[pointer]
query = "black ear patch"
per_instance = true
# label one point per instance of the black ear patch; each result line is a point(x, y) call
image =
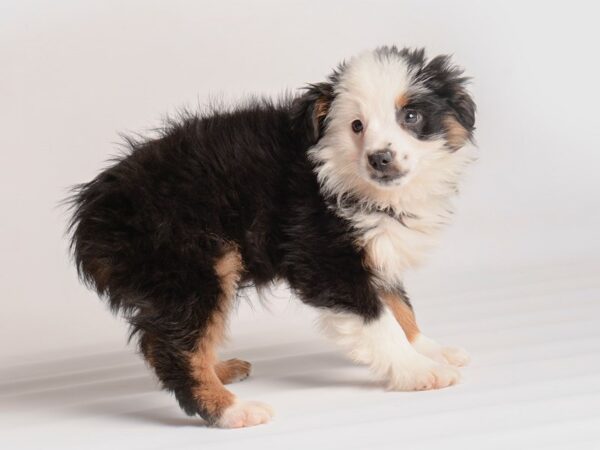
point(310, 110)
point(447, 82)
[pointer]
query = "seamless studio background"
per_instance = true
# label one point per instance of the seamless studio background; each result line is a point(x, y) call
point(515, 280)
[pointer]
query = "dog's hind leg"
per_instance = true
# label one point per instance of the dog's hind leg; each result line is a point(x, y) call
point(233, 370)
point(183, 353)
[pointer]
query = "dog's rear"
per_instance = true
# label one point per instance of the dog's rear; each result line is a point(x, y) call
point(158, 235)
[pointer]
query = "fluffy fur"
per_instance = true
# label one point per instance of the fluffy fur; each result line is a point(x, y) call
point(383, 346)
point(337, 190)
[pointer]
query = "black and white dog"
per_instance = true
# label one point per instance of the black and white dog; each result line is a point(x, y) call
point(337, 191)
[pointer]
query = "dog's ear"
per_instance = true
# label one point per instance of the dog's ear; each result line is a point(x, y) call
point(447, 81)
point(309, 111)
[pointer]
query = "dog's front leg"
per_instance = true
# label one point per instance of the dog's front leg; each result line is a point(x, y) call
point(402, 310)
point(331, 276)
point(382, 345)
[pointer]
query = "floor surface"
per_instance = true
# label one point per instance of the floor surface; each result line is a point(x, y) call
point(534, 382)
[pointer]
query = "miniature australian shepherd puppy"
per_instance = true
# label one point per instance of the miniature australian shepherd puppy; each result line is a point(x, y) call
point(337, 191)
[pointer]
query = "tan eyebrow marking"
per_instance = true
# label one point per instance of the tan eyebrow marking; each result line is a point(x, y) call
point(401, 101)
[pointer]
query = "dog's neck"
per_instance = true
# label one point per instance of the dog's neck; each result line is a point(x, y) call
point(348, 206)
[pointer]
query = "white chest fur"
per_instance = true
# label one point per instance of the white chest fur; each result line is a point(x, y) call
point(424, 203)
point(391, 245)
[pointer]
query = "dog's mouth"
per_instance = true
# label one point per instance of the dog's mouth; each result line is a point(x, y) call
point(389, 178)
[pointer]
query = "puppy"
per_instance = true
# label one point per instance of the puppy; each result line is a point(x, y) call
point(337, 191)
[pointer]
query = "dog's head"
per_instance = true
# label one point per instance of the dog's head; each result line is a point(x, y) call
point(386, 120)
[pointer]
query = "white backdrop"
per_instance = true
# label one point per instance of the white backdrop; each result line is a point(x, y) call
point(73, 74)
point(516, 279)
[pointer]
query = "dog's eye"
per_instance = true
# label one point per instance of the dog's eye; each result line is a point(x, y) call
point(412, 117)
point(357, 126)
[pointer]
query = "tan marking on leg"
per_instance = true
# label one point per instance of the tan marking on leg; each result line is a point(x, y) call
point(209, 391)
point(403, 314)
point(232, 370)
point(229, 268)
point(456, 134)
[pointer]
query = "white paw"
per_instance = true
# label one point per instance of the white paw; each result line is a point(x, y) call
point(447, 355)
point(245, 414)
point(422, 374)
point(456, 356)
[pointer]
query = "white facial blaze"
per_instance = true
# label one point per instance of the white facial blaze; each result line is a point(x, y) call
point(368, 89)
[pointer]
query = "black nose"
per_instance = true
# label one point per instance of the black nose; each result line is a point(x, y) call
point(381, 160)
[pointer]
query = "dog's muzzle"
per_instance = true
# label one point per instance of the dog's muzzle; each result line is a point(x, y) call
point(383, 166)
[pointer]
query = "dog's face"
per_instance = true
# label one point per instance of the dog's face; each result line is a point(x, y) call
point(387, 119)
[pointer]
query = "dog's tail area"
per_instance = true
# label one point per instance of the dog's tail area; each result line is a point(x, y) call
point(101, 238)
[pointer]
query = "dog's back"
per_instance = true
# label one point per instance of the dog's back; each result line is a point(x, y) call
point(205, 183)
